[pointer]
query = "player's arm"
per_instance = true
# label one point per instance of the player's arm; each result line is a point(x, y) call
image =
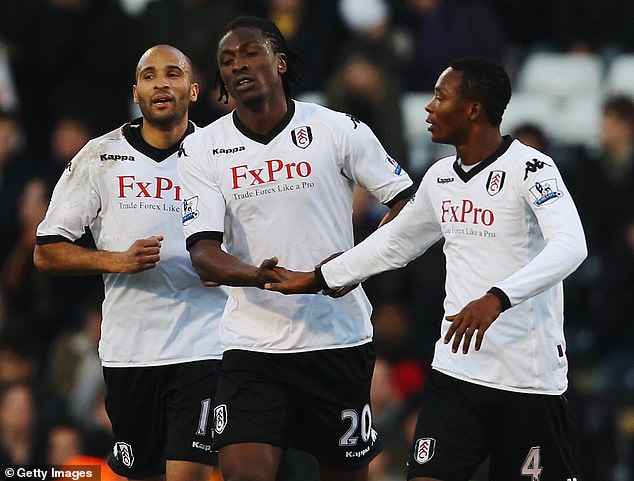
point(313, 282)
point(391, 247)
point(397, 205)
point(65, 258)
point(565, 243)
point(564, 251)
point(217, 266)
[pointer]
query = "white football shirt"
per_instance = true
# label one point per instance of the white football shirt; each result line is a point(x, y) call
point(288, 194)
point(509, 223)
point(125, 190)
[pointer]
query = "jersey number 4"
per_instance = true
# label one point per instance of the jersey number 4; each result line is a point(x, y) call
point(531, 466)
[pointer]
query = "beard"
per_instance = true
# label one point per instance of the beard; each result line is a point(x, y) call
point(163, 118)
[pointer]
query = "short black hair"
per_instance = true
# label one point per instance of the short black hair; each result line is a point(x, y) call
point(292, 77)
point(486, 82)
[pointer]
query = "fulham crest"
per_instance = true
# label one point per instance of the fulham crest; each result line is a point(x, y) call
point(495, 181)
point(302, 136)
point(122, 452)
point(220, 418)
point(424, 450)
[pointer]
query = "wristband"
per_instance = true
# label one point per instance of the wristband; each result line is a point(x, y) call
point(504, 299)
point(321, 282)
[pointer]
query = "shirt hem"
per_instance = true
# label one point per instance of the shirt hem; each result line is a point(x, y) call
point(297, 349)
point(501, 387)
point(159, 362)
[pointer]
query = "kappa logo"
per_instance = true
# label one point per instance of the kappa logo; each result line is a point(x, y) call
point(190, 209)
point(444, 180)
point(302, 136)
point(122, 452)
point(534, 166)
point(220, 418)
point(424, 450)
point(116, 157)
point(495, 182)
point(232, 150)
point(545, 191)
point(201, 446)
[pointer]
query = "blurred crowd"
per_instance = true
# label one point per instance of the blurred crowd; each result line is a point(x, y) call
point(65, 77)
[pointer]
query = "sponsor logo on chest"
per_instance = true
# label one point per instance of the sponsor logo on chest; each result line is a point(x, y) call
point(273, 170)
point(465, 212)
point(130, 186)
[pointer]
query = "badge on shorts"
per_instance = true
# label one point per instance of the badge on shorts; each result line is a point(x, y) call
point(220, 418)
point(424, 450)
point(122, 452)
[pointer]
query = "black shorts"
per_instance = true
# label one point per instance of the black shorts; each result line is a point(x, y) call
point(316, 401)
point(530, 437)
point(160, 413)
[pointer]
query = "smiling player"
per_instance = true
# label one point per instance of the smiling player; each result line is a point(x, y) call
point(159, 344)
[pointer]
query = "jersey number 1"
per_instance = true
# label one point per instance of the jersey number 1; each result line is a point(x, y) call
point(205, 404)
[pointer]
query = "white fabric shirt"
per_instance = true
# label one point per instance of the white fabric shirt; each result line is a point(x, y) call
point(115, 186)
point(289, 195)
point(508, 223)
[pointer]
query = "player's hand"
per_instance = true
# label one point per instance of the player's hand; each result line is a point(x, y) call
point(269, 271)
point(295, 283)
point(477, 316)
point(142, 255)
point(340, 292)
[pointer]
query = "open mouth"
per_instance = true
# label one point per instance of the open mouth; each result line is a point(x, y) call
point(242, 83)
point(161, 100)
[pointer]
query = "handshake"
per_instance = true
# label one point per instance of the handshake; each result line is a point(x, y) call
point(272, 277)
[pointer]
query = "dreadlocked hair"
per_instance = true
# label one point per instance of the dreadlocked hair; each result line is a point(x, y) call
point(291, 78)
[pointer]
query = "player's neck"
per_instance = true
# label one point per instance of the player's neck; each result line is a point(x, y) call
point(479, 147)
point(163, 136)
point(262, 117)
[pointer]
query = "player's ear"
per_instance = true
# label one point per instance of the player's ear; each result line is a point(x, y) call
point(194, 90)
point(475, 110)
point(282, 66)
point(135, 95)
